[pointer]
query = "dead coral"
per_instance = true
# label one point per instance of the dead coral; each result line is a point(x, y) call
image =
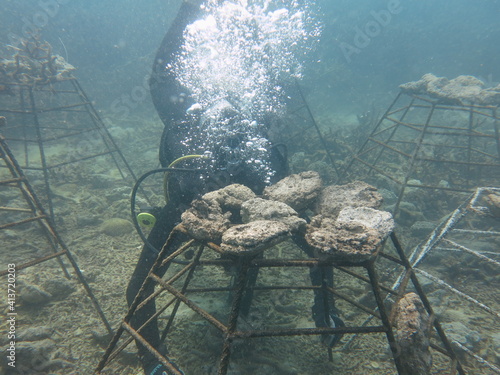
point(297, 190)
point(461, 90)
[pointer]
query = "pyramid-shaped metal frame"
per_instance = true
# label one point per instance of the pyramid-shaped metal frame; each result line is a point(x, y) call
point(176, 287)
point(479, 219)
point(424, 143)
point(52, 113)
point(34, 212)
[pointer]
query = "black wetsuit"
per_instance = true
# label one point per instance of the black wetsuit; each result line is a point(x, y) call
point(172, 101)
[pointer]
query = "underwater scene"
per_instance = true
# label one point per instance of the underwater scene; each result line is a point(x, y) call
point(282, 187)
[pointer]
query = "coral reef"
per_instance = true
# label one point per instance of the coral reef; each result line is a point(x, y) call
point(253, 237)
point(116, 227)
point(461, 90)
point(296, 190)
point(356, 194)
point(262, 209)
point(34, 63)
point(205, 220)
point(346, 227)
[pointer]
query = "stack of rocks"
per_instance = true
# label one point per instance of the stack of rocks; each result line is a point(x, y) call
point(345, 223)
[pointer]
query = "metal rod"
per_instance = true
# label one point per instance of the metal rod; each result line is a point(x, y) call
point(384, 317)
point(39, 138)
point(477, 358)
point(210, 318)
point(48, 227)
point(239, 288)
point(189, 276)
point(20, 222)
point(307, 331)
point(472, 252)
point(426, 303)
point(442, 283)
point(34, 262)
point(411, 166)
point(171, 368)
point(349, 164)
point(322, 140)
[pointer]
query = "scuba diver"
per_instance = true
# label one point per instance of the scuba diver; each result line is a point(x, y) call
point(227, 144)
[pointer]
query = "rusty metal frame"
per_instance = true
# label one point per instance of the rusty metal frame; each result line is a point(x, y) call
point(368, 160)
point(28, 115)
point(229, 329)
point(36, 213)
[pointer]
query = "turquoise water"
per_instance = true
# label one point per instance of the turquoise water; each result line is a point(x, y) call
point(365, 51)
point(112, 43)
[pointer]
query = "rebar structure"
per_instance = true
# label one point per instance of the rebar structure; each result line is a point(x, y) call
point(439, 147)
point(191, 278)
point(25, 211)
point(51, 118)
point(301, 133)
point(471, 237)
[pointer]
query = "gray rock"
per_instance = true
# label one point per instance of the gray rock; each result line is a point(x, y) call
point(356, 194)
point(381, 221)
point(116, 227)
point(262, 209)
point(460, 90)
point(253, 237)
point(205, 220)
point(460, 332)
point(34, 295)
point(230, 197)
point(412, 335)
point(298, 191)
point(349, 241)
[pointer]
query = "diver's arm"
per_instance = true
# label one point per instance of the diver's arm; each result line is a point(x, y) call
point(165, 90)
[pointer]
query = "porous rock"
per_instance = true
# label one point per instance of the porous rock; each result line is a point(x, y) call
point(297, 190)
point(253, 237)
point(381, 221)
point(460, 90)
point(356, 194)
point(205, 220)
point(348, 240)
point(263, 209)
point(230, 197)
point(412, 336)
